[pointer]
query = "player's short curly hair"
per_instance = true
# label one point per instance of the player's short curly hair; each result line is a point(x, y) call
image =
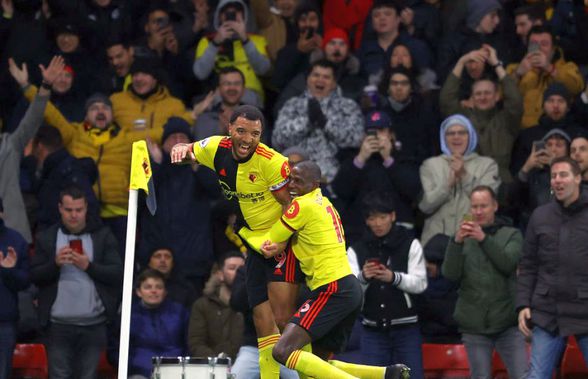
point(248, 112)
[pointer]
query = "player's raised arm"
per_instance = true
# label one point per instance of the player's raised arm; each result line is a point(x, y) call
point(183, 152)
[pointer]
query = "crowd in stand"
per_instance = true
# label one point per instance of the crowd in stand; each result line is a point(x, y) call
point(452, 136)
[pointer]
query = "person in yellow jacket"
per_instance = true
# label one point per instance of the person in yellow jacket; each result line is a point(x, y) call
point(231, 45)
point(543, 65)
point(146, 105)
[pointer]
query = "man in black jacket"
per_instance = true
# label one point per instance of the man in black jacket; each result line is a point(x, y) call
point(389, 264)
point(551, 289)
point(79, 274)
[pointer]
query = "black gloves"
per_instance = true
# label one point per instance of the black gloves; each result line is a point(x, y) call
point(316, 118)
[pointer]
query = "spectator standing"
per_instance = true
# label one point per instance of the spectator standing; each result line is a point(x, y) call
point(276, 24)
point(389, 264)
point(120, 58)
point(12, 147)
point(214, 327)
point(542, 65)
point(551, 272)
point(320, 121)
point(376, 167)
point(525, 17)
point(448, 179)
point(349, 16)
point(183, 191)
point(579, 153)
point(482, 257)
point(231, 45)
point(497, 128)
point(78, 271)
point(14, 277)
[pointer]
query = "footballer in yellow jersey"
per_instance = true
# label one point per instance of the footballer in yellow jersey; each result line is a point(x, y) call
point(254, 179)
point(327, 316)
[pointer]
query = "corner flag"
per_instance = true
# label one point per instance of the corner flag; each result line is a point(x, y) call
point(141, 174)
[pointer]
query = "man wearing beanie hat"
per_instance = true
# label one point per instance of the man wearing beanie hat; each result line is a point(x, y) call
point(147, 104)
point(532, 186)
point(556, 114)
point(336, 49)
point(190, 242)
point(542, 65)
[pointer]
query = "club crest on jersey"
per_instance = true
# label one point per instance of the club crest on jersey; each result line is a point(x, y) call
point(252, 177)
point(293, 210)
point(285, 171)
point(204, 142)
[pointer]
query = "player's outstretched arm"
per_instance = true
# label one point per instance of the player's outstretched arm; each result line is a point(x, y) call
point(182, 152)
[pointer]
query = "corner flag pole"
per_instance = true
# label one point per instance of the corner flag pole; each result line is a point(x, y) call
point(140, 179)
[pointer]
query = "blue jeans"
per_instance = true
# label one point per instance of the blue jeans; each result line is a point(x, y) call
point(510, 344)
point(397, 345)
point(546, 349)
point(74, 351)
point(7, 344)
point(247, 365)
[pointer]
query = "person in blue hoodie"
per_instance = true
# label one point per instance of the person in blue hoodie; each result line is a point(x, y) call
point(14, 277)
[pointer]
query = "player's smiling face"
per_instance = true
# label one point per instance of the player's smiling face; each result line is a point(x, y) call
point(300, 184)
point(245, 135)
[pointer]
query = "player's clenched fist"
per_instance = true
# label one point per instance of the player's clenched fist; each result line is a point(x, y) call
point(182, 152)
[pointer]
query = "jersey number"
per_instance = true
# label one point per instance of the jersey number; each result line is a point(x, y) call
point(336, 223)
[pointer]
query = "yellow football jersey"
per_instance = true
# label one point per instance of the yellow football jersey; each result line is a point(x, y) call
point(248, 183)
point(318, 241)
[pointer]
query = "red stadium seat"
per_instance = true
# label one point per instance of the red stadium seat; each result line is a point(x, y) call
point(572, 363)
point(30, 361)
point(445, 361)
point(105, 370)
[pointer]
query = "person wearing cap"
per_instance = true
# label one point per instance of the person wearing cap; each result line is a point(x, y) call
point(449, 178)
point(335, 48)
point(556, 114)
point(349, 16)
point(389, 263)
point(481, 28)
point(543, 65)
point(386, 21)
point(579, 153)
point(294, 57)
point(14, 277)
point(12, 145)
point(482, 258)
point(231, 45)
point(147, 103)
point(497, 128)
point(320, 121)
point(190, 242)
point(376, 167)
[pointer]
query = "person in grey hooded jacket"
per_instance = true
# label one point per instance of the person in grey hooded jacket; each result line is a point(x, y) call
point(449, 178)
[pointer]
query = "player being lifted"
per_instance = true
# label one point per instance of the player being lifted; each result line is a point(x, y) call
point(254, 179)
point(328, 314)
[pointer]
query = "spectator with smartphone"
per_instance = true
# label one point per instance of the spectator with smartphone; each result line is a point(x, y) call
point(231, 45)
point(294, 57)
point(376, 166)
point(78, 271)
point(389, 263)
point(556, 114)
point(552, 275)
point(482, 258)
point(531, 187)
point(543, 65)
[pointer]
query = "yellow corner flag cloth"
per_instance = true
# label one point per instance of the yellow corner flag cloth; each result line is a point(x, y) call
point(141, 174)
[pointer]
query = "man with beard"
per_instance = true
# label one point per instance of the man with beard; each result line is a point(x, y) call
point(336, 49)
point(120, 57)
point(254, 180)
point(230, 93)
